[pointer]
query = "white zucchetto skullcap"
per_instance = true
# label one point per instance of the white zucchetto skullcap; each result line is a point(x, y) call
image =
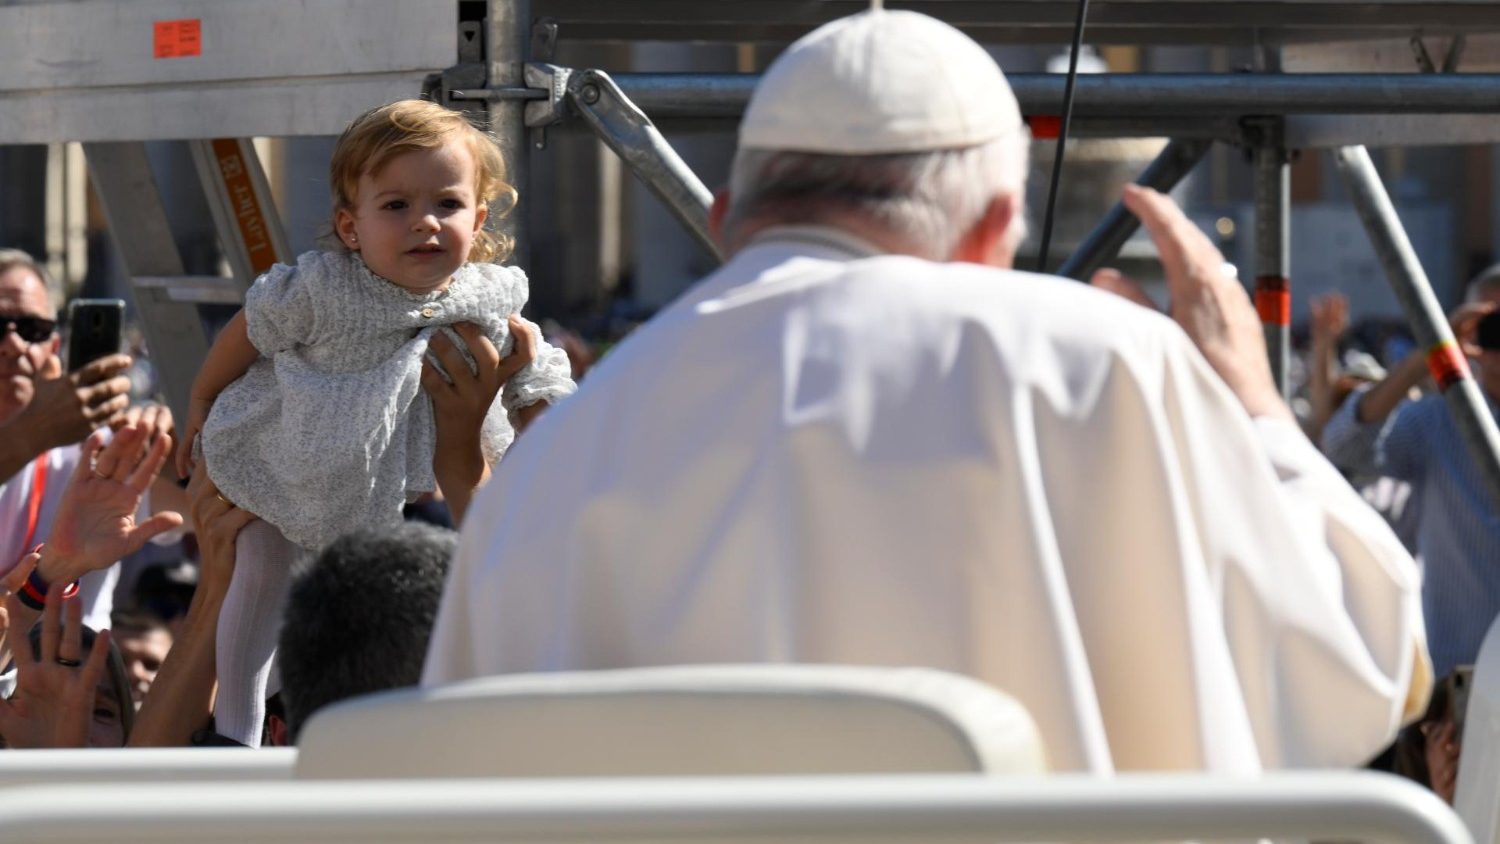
point(880, 82)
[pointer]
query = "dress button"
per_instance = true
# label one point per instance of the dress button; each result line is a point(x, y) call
point(427, 313)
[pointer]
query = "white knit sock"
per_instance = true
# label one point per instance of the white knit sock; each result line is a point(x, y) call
point(249, 625)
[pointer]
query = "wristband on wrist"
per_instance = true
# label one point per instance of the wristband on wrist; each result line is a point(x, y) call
point(33, 593)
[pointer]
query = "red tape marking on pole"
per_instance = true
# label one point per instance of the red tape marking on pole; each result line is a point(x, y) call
point(1447, 364)
point(1273, 299)
point(1044, 127)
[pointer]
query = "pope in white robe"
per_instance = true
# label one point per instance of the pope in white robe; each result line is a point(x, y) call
point(828, 453)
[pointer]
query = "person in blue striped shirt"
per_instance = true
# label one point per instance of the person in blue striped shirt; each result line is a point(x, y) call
point(1380, 431)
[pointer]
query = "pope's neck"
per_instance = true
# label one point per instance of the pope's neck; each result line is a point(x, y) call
point(883, 239)
point(880, 237)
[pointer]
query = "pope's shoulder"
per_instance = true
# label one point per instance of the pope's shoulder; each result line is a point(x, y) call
point(1011, 301)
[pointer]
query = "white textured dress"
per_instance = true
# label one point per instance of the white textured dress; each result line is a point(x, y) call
point(330, 431)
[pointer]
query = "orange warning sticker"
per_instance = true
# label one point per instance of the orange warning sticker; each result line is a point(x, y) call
point(179, 39)
point(1447, 364)
point(1273, 300)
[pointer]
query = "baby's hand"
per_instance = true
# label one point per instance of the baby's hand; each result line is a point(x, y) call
point(197, 415)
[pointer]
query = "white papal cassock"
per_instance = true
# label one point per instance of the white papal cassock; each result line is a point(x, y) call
point(819, 454)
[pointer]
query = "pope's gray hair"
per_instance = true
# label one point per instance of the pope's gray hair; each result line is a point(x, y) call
point(930, 199)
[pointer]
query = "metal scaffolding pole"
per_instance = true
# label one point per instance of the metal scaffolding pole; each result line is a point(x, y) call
point(508, 34)
point(627, 131)
point(1175, 161)
point(1136, 95)
point(1273, 260)
point(239, 198)
point(1449, 367)
point(132, 203)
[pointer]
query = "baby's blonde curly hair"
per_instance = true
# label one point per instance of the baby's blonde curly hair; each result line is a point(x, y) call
point(381, 134)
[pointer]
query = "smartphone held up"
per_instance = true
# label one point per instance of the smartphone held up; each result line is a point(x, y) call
point(94, 327)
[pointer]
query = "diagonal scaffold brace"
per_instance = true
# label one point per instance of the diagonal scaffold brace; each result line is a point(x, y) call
point(636, 140)
point(1428, 322)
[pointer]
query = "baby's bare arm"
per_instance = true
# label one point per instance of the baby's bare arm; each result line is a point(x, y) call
point(231, 356)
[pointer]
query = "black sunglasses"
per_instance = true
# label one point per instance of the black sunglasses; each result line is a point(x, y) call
point(31, 329)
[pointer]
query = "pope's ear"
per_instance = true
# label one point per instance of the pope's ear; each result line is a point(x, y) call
point(989, 240)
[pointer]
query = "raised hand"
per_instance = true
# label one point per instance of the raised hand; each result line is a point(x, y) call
point(1330, 316)
point(22, 618)
point(1210, 305)
point(95, 523)
point(68, 406)
point(1441, 752)
point(1465, 323)
point(53, 705)
point(217, 522)
point(155, 418)
point(461, 401)
point(182, 695)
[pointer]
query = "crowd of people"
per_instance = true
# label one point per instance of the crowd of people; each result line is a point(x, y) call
point(866, 439)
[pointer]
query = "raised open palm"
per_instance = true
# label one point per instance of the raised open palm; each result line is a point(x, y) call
point(96, 521)
point(54, 695)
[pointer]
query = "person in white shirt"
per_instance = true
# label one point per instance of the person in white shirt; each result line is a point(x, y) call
point(867, 440)
point(45, 414)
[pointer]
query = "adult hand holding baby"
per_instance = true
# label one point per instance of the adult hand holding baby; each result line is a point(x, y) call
point(182, 695)
point(461, 401)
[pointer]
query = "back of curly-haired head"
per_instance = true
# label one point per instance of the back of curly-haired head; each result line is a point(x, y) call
point(359, 618)
point(381, 134)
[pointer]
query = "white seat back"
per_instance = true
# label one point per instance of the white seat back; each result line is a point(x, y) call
point(742, 720)
point(34, 767)
point(931, 809)
point(1477, 797)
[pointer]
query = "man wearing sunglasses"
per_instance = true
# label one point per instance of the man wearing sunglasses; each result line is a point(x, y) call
point(41, 407)
point(45, 413)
